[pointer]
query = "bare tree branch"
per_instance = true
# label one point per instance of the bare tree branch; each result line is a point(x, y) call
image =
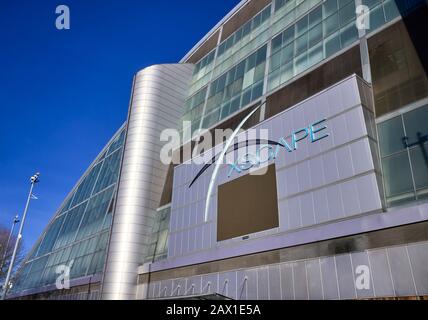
point(5, 259)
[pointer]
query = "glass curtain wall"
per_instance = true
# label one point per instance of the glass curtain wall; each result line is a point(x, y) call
point(404, 153)
point(399, 84)
point(301, 33)
point(158, 248)
point(321, 33)
point(78, 234)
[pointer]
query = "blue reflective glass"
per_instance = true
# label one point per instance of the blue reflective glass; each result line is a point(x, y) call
point(85, 188)
point(391, 134)
point(95, 212)
point(109, 172)
point(70, 226)
point(117, 142)
point(51, 234)
point(416, 123)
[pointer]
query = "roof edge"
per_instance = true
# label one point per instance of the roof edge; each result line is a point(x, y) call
point(214, 29)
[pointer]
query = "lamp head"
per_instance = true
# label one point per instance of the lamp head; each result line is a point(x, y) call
point(35, 178)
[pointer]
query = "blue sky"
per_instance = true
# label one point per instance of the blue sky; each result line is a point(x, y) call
point(63, 94)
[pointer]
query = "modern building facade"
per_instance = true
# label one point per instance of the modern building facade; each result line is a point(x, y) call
point(327, 201)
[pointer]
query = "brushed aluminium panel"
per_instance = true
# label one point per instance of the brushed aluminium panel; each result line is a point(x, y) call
point(158, 98)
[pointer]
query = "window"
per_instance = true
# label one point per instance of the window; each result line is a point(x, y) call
point(276, 43)
point(288, 35)
point(418, 157)
point(347, 13)
point(331, 24)
point(109, 172)
point(71, 223)
point(403, 144)
point(302, 25)
point(391, 135)
point(315, 35)
point(332, 44)
point(280, 3)
point(315, 54)
point(302, 44)
point(315, 17)
point(84, 190)
point(158, 247)
point(287, 53)
point(348, 35)
point(399, 78)
point(329, 7)
point(377, 17)
point(323, 31)
point(416, 123)
point(398, 178)
point(236, 88)
point(247, 29)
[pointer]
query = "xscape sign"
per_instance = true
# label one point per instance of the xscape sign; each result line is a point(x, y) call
point(269, 151)
point(253, 160)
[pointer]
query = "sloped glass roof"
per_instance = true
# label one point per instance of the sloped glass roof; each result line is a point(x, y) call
point(78, 233)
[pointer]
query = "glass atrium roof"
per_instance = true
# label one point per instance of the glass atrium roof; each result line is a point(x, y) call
point(77, 235)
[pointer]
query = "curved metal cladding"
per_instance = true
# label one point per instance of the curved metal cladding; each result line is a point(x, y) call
point(158, 98)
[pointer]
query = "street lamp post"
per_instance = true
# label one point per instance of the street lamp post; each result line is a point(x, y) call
point(34, 179)
point(3, 260)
